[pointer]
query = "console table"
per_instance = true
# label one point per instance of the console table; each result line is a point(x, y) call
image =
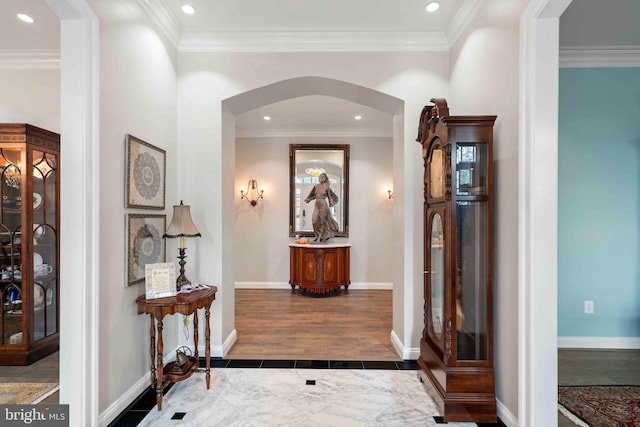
point(186, 304)
point(319, 268)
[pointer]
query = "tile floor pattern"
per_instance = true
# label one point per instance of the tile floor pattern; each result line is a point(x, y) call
point(293, 393)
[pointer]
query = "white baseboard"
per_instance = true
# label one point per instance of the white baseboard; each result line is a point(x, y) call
point(505, 415)
point(632, 343)
point(503, 412)
point(284, 285)
point(262, 285)
point(119, 405)
point(229, 343)
point(405, 353)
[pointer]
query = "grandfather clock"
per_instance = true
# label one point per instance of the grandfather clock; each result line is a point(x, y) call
point(456, 347)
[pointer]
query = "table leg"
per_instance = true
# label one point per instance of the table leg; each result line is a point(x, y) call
point(160, 368)
point(152, 352)
point(195, 332)
point(207, 349)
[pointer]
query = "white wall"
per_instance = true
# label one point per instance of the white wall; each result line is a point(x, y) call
point(30, 96)
point(484, 80)
point(262, 232)
point(206, 79)
point(138, 96)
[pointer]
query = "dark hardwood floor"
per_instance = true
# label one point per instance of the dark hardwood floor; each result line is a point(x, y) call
point(280, 324)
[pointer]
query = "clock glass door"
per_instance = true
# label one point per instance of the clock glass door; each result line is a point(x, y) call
point(436, 273)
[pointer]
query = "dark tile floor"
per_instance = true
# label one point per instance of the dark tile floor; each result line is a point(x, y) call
point(134, 414)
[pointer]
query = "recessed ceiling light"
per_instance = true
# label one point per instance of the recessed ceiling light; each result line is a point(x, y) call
point(188, 9)
point(432, 6)
point(25, 18)
point(358, 117)
point(267, 118)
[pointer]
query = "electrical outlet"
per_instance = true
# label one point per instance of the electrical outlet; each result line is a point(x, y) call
point(588, 307)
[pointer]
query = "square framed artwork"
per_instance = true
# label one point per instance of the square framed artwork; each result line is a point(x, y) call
point(145, 244)
point(146, 171)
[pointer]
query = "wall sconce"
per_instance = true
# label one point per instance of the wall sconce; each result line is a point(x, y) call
point(181, 226)
point(252, 195)
point(390, 193)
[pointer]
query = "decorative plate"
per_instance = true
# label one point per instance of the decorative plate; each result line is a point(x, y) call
point(38, 230)
point(38, 296)
point(37, 259)
point(37, 200)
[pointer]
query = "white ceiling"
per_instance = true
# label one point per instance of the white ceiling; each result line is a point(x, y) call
point(314, 15)
point(585, 22)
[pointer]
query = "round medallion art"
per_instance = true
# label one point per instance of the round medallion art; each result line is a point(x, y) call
point(148, 241)
point(146, 175)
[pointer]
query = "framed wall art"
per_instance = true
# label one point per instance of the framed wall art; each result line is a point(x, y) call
point(145, 180)
point(145, 244)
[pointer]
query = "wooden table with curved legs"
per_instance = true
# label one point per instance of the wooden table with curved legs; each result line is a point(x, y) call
point(185, 304)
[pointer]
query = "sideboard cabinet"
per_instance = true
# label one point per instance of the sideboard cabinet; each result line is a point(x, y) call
point(29, 243)
point(319, 269)
point(456, 348)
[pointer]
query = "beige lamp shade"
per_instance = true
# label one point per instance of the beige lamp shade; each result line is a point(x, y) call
point(181, 223)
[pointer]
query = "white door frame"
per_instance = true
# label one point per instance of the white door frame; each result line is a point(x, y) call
point(79, 210)
point(538, 214)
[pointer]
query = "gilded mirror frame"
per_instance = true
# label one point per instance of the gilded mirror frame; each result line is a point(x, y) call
point(315, 159)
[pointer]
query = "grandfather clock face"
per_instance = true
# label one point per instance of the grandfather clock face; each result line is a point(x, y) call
point(436, 171)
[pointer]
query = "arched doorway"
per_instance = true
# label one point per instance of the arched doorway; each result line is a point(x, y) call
point(311, 85)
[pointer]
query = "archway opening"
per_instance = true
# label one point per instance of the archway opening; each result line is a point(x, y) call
point(389, 106)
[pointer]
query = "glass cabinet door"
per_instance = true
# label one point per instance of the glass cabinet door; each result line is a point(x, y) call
point(11, 290)
point(471, 280)
point(436, 273)
point(471, 169)
point(45, 237)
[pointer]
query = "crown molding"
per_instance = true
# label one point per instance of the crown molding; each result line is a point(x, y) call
point(313, 133)
point(596, 56)
point(315, 41)
point(30, 59)
point(461, 20)
point(163, 17)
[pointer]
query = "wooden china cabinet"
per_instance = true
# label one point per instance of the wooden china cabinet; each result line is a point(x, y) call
point(456, 347)
point(29, 243)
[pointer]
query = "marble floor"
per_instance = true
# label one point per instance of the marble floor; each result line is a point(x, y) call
point(254, 393)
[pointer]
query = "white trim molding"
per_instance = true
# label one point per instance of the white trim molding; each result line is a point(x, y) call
point(505, 415)
point(315, 41)
point(121, 403)
point(129, 396)
point(537, 213)
point(462, 19)
point(284, 285)
point(627, 343)
point(163, 17)
point(407, 353)
point(227, 345)
point(599, 56)
point(315, 133)
point(29, 59)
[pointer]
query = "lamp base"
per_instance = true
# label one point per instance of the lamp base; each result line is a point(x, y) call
point(182, 279)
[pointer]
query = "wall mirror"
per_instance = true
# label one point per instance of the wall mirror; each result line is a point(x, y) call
point(307, 162)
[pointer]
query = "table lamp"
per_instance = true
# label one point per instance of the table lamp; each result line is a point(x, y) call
point(181, 226)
